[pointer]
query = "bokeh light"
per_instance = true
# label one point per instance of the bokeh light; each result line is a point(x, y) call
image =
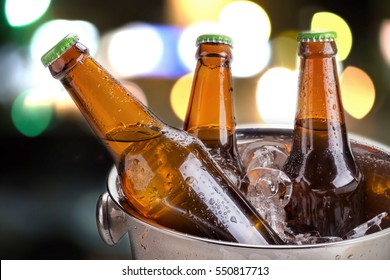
point(44, 38)
point(13, 77)
point(150, 53)
point(180, 95)
point(169, 65)
point(242, 19)
point(249, 26)
point(250, 60)
point(62, 102)
point(24, 12)
point(32, 112)
point(50, 33)
point(384, 37)
point(284, 52)
point(136, 90)
point(331, 21)
point(186, 44)
point(276, 96)
point(184, 13)
point(358, 92)
point(135, 50)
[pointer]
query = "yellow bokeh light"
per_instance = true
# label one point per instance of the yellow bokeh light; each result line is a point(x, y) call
point(358, 92)
point(187, 12)
point(284, 52)
point(276, 96)
point(180, 95)
point(64, 104)
point(51, 95)
point(330, 21)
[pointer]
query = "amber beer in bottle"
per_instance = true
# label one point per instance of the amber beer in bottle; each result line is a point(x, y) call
point(166, 175)
point(210, 113)
point(327, 183)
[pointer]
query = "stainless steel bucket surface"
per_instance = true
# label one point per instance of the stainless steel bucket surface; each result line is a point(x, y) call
point(151, 241)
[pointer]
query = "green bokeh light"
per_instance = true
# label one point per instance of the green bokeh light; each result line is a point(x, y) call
point(31, 118)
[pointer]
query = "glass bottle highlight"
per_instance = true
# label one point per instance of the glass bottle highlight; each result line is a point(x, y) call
point(166, 174)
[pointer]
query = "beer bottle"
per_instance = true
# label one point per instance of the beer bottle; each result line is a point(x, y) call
point(166, 175)
point(210, 113)
point(327, 183)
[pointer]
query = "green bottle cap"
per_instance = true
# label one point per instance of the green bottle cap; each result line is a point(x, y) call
point(316, 36)
point(56, 51)
point(214, 38)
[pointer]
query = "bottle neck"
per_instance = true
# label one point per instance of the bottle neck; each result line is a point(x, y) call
point(113, 112)
point(210, 106)
point(319, 96)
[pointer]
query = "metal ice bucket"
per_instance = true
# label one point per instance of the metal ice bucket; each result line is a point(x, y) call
point(151, 241)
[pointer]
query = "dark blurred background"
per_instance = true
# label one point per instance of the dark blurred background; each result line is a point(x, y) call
point(53, 168)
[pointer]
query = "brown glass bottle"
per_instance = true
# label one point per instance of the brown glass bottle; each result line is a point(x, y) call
point(166, 174)
point(327, 183)
point(210, 113)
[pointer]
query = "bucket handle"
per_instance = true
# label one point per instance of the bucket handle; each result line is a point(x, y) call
point(111, 221)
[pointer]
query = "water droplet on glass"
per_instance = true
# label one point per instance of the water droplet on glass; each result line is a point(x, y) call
point(190, 180)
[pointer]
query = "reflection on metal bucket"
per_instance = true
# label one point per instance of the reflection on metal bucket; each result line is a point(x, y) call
point(151, 241)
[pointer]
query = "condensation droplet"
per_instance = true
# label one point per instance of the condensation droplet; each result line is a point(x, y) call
point(190, 180)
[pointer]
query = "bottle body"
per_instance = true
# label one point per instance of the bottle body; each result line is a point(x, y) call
point(328, 187)
point(210, 114)
point(166, 175)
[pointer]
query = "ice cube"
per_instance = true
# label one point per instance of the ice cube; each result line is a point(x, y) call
point(263, 154)
point(317, 240)
point(269, 191)
point(362, 229)
point(269, 185)
point(307, 235)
